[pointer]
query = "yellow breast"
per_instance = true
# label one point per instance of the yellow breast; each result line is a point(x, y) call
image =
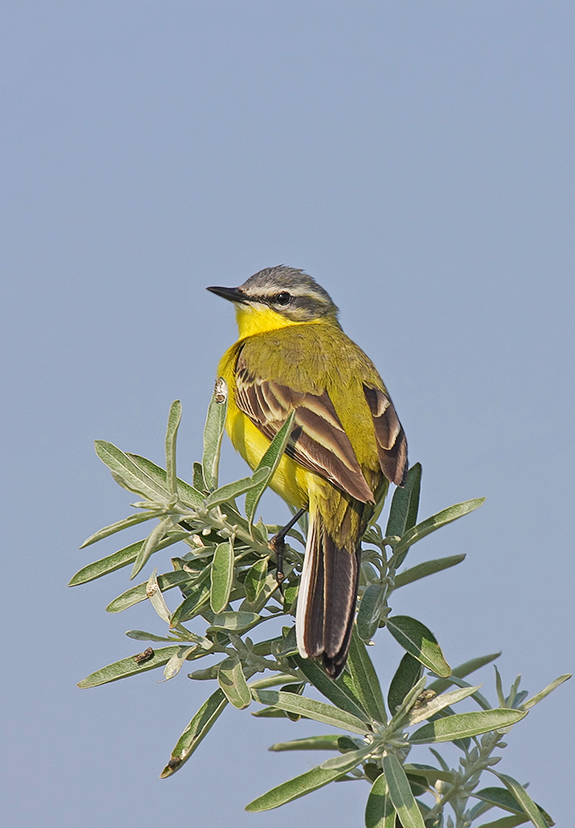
point(290, 481)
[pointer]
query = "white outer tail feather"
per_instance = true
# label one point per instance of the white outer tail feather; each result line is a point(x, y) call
point(304, 587)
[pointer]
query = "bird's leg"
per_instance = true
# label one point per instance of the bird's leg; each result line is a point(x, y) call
point(277, 544)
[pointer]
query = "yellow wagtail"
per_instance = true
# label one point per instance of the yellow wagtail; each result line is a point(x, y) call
point(346, 445)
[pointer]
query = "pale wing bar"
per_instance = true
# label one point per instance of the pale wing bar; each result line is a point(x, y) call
point(318, 443)
point(389, 435)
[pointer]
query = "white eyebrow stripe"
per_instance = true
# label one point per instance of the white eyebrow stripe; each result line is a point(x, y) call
point(297, 292)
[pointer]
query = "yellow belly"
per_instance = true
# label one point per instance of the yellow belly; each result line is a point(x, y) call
point(290, 481)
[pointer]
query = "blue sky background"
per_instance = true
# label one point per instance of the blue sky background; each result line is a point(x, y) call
point(417, 159)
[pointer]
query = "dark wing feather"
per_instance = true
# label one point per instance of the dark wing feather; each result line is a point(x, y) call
point(318, 442)
point(389, 435)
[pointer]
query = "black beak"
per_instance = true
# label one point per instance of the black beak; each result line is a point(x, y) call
point(233, 294)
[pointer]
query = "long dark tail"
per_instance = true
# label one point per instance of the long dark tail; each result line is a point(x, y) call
point(327, 598)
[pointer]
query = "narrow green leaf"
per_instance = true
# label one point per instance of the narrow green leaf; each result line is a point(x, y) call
point(404, 504)
point(187, 494)
point(400, 793)
point(476, 695)
point(366, 683)
point(154, 593)
point(198, 558)
point(501, 798)
point(152, 543)
point(440, 759)
point(442, 518)
point(379, 810)
point(231, 621)
point(462, 670)
point(128, 473)
point(420, 642)
point(273, 680)
point(290, 594)
point(301, 785)
point(269, 585)
point(260, 531)
point(119, 559)
point(269, 713)
point(142, 635)
point(326, 742)
point(527, 705)
point(513, 691)
point(505, 822)
point(232, 490)
point(138, 593)
point(222, 576)
point(419, 714)
point(194, 603)
point(119, 526)
point(426, 568)
point(431, 774)
point(233, 683)
point(312, 709)
point(174, 419)
point(176, 662)
point(213, 433)
point(328, 688)
point(255, 579)
point(522, 798)
point(343, 761)
point(463, 725)
point(499, 688)
point(411, 698)
point(198, 478)
point(128, 667)
point(269, 461)
point(209, 674)
point(346, 683)
point(369, 611)
point(197, 729)
point(406, 676)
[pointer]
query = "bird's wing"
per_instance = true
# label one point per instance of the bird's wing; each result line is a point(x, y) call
point(318, 441)
point(389, 435)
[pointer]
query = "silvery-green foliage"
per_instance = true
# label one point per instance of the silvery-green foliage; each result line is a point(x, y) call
point(226, 576)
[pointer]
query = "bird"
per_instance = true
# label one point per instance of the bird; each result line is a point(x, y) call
point(346, 445)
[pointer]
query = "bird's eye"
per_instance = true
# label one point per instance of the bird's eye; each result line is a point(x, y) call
point(283, 298)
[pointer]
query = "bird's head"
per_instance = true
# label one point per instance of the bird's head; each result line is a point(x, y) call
point(277, 297)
